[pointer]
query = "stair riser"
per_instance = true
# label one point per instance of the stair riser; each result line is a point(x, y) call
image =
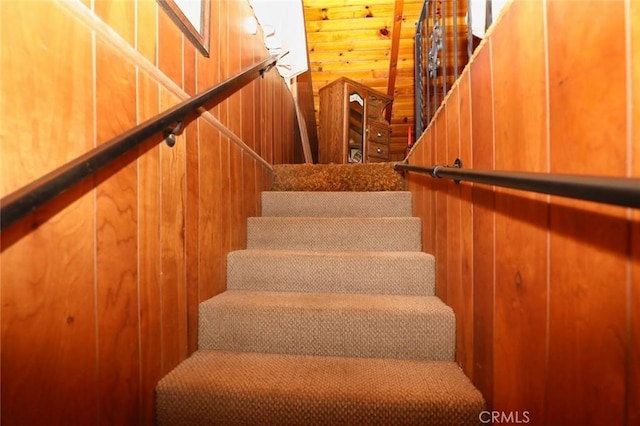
point(335, 234)
point(408, 273)
point(336, 332)
point(336, 204)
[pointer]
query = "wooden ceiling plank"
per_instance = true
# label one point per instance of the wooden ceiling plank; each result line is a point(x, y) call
point(393, 60)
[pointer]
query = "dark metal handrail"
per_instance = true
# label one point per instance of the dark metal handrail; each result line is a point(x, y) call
point(618, 191)
point(28, 198)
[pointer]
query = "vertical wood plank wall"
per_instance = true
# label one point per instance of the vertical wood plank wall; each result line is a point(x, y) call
point(100, 288)
point(545, 289)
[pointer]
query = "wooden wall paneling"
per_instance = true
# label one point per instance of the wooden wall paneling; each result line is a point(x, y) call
point(224, 56)
point(147, 22)
point(225, 194)
point(47, 259)
point(633, 397)
point(116, 239)
point(149, 281)
point(236, 186)
point(441, 213)
point(189, 74)
point(119, 15)
point(521, 218)
point(213, 210)
point(482, 134)
point(247, 94)
point(249, 194)
point(192, 230)
point(276, 112)
point(173, 190)
point(453, 237)
point(267, 123)
point(429, 243)
point(169, 50)
point(589, 264)
point(466, 230)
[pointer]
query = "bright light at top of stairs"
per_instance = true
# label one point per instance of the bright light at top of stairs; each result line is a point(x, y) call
point(282, 22)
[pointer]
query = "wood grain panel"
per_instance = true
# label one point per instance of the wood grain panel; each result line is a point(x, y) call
point(226, 211)
point(189, 67)
point(465, 317)
point(482, 133)
point(587, 305)
point(169, 47)
point(147, 21)
point(236, 187)
point(455, 292)
point(116, 239)
point(633, 405)
point(123, 258)
point(46, 260)
point(212, 265)
point(192, 230)
point(441, 213)
point(521, 218)
point(172, 236)
point(119, 15)
point(149, 267)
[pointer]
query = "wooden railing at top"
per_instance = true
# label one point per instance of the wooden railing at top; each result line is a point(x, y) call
point(32, 196)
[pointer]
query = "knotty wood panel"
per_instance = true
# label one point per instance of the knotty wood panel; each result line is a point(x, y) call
point(482, 133)
point(521, 218)
point(124, 258)
point(354, 40)
point(586, 354)
point(172, 237)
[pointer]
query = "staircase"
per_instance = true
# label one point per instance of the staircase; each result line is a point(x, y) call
point(329, 318)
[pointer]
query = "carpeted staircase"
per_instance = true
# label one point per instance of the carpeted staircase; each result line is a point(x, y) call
point(329, 318)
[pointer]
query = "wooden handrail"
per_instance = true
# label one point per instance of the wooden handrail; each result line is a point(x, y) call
point(32, 196)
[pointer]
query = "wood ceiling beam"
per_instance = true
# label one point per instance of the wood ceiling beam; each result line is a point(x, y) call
point(393, 59)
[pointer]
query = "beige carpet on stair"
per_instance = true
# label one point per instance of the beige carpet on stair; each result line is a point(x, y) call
point(358, 325)
point(235, 388)
point(355, 272)
point(330, 317)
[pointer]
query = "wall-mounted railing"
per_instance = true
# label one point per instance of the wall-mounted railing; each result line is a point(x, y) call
point(30, 197)
point(608, 190)
point(443, 27)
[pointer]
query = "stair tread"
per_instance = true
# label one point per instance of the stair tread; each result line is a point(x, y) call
point(252, 388)
point(330, 301)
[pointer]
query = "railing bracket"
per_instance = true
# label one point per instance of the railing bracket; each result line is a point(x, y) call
point(458, 165)
point(170, 134)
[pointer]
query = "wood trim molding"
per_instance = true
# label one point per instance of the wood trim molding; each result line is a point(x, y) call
point(87, 17)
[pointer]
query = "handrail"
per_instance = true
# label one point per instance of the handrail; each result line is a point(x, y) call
point(28, 198)
point(617, 191)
